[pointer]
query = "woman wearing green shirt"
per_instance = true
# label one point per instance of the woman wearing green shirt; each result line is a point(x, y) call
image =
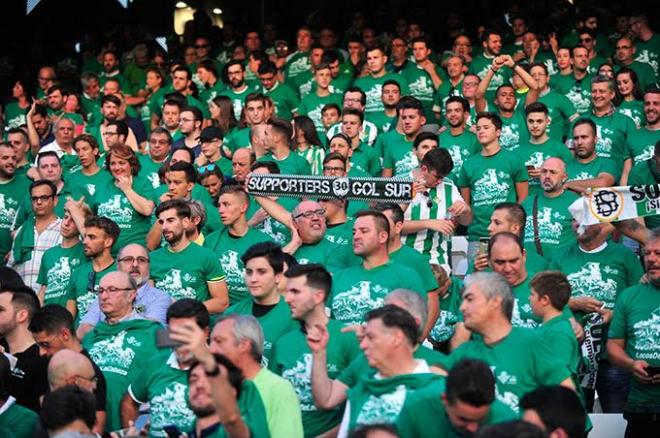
point(629, 97)
point(18, 107)
point(307, 143)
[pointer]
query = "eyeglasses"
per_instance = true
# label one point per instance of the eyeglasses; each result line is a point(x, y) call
point(624, 47)
point(201, 46)
point(42, 198)
point(160, 142)
point(311, 213)
point(333, 169)
point(130, 260)
point(111, 289)
point(585, 40)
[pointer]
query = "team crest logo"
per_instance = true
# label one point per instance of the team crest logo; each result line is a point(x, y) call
point(606, 205)
point(340, 187)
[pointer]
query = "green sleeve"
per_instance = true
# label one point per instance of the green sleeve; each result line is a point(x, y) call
point(519, 171)
point(566, 107)
point(406, 423)
point(302, 108)
point(548, 368)
point(561, 345)
point(617, 329)
point(374, 162)
point(43, 270)
point(388, 162)
point(463, 180)
point(611, 167)
point(212, 269)
point(635, 271)
point(378, 146)
point(414, 283)
point(349, 375)
point(139, 388)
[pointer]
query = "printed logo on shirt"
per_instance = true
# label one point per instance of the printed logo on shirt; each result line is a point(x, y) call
point(300, 377)
point(646, 335)
point(8, 207)
point(489, 190)
point(58, 277)
point(173, 283)
point(354, 303)
point(117, 209)
point(111, 354)
point(549, 230)
point(383, 409)
point(170, 407)
point(589, 281)
point(510, 137)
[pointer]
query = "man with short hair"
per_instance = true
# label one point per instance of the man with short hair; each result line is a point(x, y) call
point(589, 170)
point(39, 127)
point(362, 156)
point(625, 57)
point(52, 329)
point(241, 161)
point(460, 142)
point(12, 191)
point(238, 89)
point(190, 125)
point(40, 232)
point(278, 139)
point(631, 344)
point(521, 359)
point(540, 146)
point(372, 84)
point(312, 104)
point(27, 382)
point(211, 139)
point(549, 223)
point(150, 302)
point(424, 77)
point(561, 111)
point(284, 97)
point(577, 85)
point(396, 149)
point(481, 64)
point(111, 69)
point(641, 142)
point(390, 338)
point(307, 289)
point(18, 139)
point(556, 410)
point(255, 117)
point(452, 87)
point(355, 98)
point(208, 76)
point(171, 113)
point(361, 287)
point(461, 408)
point(390, 95)
point(230, 242)
point(646, 41)
point(63, 143)
point(164, 383)
point(160, 142)
point(184, 269)
point(121, 345)
point(99, 235)
point(90, 176)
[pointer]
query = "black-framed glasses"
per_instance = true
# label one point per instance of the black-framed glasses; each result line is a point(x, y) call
point(333, 169)
point(91, 282)
point(311, 213)
point(42, 198)
point(111, 289)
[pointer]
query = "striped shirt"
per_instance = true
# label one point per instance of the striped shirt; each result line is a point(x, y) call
point(29, 270)
point(314, 155)
point(431, 204)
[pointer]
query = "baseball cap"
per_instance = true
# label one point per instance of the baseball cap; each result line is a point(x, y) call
point(211, 133)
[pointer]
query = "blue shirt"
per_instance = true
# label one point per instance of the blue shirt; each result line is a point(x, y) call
point(150, 303)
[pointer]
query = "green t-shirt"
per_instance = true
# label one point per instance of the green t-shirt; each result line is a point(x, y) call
point(15, 115)
point(209, 93)
point(57, 267)
point(293, 164)
point(149, 170)
point(578, 92)
point(356, 290)
point(238, 97)
point(149, 107)
point(340, 234)
point(297, 63)
point(634, 109)
point(641, 144)
point(480, 66)
point(284, 98)
point(648, 52)
point(555, 222)
point(560, 109)
point(89, 185)
point(275, 324)
point(536, 154)
point(11, 195)
point(560, 336)
point(373, 87)
point(514, 130)
point(577, 171)
point(444, 92)
point(636, 316)
point(237, 138)
point(229, 249)
point(407, 256)
point(111, 202)
point(424, 415)
point(366, 159)
point(18, 422)
point(83, 284)
point(165, 387)
point(185, 274)
point(121, 351)
point(292, 359)
point(522, 310)
point(600, 274)
point(612, 132)
point(382, 121)
point(460, 147)
point(421, 86)
point(491, 180)
point(521, 362)
point(331, 255)
point(445, 326)
point(281, 404)
point(644, 173)
point(311, 106)
point(398, 154)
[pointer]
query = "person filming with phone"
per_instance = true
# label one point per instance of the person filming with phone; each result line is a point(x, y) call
point(634, 346)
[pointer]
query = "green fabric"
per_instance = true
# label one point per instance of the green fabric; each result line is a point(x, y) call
point(356, 290)
point(377, 400)
point(536, 154)
point(236, 139)
point(81, 286)
point(112, 203)
point(207, 95)
point(340, 234)
point(641, 144)
point(284, 98)
point(646, 172)
point(165, 388)
point(253, 410)
point(514, 130)
point(281, 404)
point(577, 171)
point(124, 85)
point(275, 324)
point(12, 194)
point(421, 86)
point(18, 422)
point(578, 92)
point(648, 52)
point(555, 223)
point(491, 180)
point(149, 170)
point(24, 241)
point(311, 106)
point(444, 92)
point(560, 109)
point(14, 115)
point(366, 159)
point(331, 255)
point(372, 87)
point(560, 336)
point(424, 415)
point(407, 256)
point(121, 351)
point(522, 310)
point(297, 63)
point(185, 274)
point(601, 275)
point(635, 320)
point(445, 326)
point(238, 98)
point(612, 132)
point(480, 65)
point(229, 249)
point(149, 108)
point(292, 360)
point(56, 270)
point(398, 154)
point(521, 362)
point(460, 147)
point(382, 121)
point(634, 109)
point(293, 164)
point(89, 185)
point(278, 232)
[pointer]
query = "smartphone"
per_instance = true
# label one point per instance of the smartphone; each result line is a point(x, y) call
point(483, 245)
point(653, 371)
point(172, 431)
point(163, 339)
point(141, 422)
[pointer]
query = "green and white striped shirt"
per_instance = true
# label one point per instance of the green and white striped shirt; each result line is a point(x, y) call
point(314, 155)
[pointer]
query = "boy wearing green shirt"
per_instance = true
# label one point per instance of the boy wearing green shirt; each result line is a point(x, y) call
point(372, 84)
point(396, 150)
point(459, 141)
point(278, 135)
point(184, 269)
point(307, 288)
point(238, 89)
point(312, 104)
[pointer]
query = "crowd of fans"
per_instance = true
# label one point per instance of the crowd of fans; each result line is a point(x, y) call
point(147, 291)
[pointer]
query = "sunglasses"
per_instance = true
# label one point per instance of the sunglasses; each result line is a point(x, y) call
point(206, 169)
point(585, 40)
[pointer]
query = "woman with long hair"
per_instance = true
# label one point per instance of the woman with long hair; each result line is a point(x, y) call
point(222, 113)
point(307, 144)
point(629, 97)
point(18, 106)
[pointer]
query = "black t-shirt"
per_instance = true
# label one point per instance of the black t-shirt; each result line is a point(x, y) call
point(29, 378)
point(101, 387)
point(259, 310)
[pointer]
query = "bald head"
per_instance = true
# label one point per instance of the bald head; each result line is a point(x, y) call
point(67, 367)
point(553, 175)
point(240, 163)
